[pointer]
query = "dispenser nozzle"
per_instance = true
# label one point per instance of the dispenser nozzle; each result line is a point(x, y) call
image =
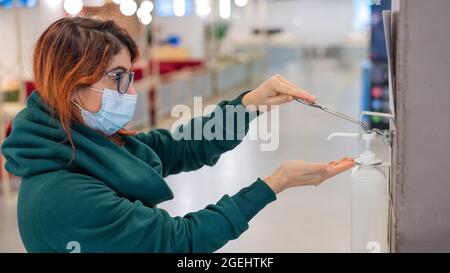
point(333, 135)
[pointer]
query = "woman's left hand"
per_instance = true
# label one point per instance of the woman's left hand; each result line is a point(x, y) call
point(275, 91)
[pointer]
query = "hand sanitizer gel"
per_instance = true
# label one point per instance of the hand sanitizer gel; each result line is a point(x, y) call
point(369, 200)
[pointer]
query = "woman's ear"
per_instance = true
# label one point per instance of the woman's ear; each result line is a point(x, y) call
point(74, 96)
point(77, 96)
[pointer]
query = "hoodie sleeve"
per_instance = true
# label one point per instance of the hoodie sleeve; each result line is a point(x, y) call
point(202, 140)
point(83, 210)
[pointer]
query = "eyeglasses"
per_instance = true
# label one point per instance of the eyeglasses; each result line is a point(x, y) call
point(123, 80)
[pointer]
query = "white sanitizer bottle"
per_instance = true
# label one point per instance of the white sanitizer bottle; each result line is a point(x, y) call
point(369, 200)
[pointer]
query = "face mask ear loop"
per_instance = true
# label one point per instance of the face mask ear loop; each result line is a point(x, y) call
point(96, 89)
point(74, 102)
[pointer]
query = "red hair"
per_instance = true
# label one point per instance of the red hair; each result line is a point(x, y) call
point(71, 54)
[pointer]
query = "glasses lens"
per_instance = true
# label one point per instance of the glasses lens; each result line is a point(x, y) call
point(125, 81)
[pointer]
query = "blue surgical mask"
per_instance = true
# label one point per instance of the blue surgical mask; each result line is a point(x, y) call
point(116, 111)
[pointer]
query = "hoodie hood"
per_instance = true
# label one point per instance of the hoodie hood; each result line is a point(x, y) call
point(38, 145)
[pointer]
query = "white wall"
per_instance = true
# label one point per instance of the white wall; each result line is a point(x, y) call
point(31, 24)
point(313, 22)
point(190, 29)
point(320, 22)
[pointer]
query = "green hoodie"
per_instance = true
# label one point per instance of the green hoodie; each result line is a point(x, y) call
point(105, 200)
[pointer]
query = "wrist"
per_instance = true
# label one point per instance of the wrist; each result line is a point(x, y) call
point(276, 181)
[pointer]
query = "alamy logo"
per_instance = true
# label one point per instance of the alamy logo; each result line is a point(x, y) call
point(374, 247)
point(228, 123)
point(74, 246)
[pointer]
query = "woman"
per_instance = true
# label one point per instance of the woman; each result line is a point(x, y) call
point(89, 184)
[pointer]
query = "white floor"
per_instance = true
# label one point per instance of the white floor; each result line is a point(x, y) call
point(301, 220)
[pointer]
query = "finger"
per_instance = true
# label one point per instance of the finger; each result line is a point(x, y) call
point(339, 168)
point(286, 89)
point(332, 163)
point(341, 160)
point(280, 99)
point(310, 98)
point(332, 170)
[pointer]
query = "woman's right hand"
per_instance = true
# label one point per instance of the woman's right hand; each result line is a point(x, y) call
point(300, 173)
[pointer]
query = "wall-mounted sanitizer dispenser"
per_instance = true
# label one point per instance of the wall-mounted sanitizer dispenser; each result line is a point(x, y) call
point(369, 188)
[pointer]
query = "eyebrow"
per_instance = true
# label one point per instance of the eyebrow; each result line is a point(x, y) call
point(118, 68)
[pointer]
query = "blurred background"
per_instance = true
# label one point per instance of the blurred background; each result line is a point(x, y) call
point(216, 49)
